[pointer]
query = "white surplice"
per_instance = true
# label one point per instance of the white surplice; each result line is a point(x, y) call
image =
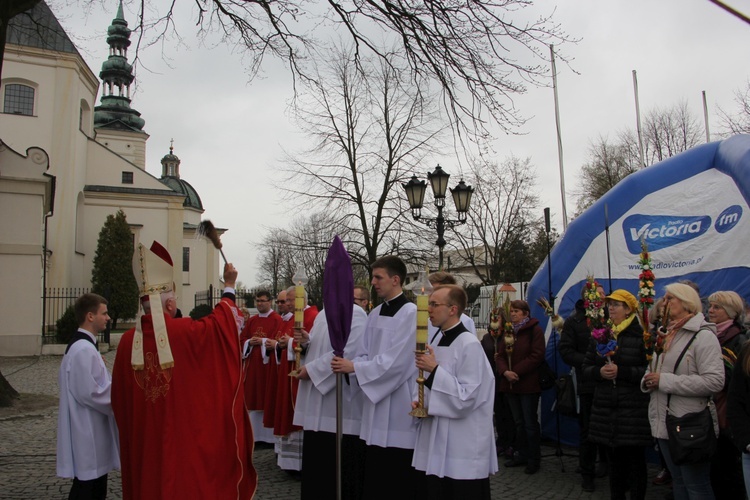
point(457, 440)
point(315, 409)
point(87, 438)
point(387, 376)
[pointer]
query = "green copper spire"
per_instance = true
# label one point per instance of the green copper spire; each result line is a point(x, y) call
point(117, 75)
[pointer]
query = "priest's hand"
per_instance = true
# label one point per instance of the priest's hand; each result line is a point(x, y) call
point(302, 374)
point(230, 275)
point(342, 365)
point(511, 376)
point(426, 361)
point(256, 340)
point(283, 340)
point(301, 336)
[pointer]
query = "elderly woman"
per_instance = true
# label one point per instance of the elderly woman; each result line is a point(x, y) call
point(725, 311)
point(738, 409)
point(699, 375)
point(519, 370)
point(619, 414)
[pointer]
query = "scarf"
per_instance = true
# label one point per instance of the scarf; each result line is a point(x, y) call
point(520, 324)
point(673, 328)
point(616, 329)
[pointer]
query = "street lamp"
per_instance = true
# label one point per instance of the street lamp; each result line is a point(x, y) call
point(415, 190)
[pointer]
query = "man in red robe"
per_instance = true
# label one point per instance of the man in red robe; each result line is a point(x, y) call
point(269, 401)
point(177, 395)
point(290, 446)
point(256, 341)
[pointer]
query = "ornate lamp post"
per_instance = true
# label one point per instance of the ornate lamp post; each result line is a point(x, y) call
point(415, 190)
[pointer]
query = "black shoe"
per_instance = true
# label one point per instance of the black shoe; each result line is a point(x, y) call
point(588, 484)
point(515, 462)
point(531, 469)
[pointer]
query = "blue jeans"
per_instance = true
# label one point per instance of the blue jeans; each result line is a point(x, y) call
point(689, 481)
point(524, 408)
point(746, 471)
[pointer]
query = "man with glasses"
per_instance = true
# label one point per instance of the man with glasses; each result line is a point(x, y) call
point(259, 329)
point(362, 297)
point(455, 446)
point(387, 376)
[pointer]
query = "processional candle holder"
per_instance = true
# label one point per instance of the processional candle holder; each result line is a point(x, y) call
point(423, 289)
point(300, 280)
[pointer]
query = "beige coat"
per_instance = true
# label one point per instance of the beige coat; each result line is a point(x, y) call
point(699, 375)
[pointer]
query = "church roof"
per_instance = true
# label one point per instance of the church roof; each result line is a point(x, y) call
point(192, 200)
point(38, 27)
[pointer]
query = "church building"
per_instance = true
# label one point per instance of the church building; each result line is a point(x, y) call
point(66, 164)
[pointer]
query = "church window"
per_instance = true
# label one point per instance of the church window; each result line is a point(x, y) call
point(185, 259)
point(127, 177)
point(19, 99)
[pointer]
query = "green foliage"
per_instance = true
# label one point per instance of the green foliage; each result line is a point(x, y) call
point(200, 311)
point(112, 275)
point(66, 326)
point(472, 291)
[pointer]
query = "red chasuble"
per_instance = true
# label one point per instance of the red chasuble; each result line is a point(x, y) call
point(256, 377)
point(286, 386)
point(184, 431)
point(269, 400)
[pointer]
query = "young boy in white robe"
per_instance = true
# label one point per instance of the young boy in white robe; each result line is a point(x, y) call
point(455, 445)
point(87, 439)
point(387, 376)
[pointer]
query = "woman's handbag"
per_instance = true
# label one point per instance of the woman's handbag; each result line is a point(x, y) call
point(547, 376)
point(566, 395)
point(692, 438)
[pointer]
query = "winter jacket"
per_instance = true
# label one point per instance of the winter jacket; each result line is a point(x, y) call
point(528, 354)
point(738, 402)
point(699, 375)
point(730, 340)
point(574, 342)
point(619, 415)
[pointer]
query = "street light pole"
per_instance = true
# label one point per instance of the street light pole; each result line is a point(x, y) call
point(415, 191)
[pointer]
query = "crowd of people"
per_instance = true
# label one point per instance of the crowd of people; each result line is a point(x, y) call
point(189, 399)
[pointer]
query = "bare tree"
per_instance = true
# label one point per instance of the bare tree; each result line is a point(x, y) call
point(367, 133)
point(739, 121)
point(500, 221)
point(666, 132)
point(608, 164)
point(669, 131)
point(480, 54)
point(274, 260)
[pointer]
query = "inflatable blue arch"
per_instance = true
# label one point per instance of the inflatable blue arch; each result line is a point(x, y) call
point(692, 209)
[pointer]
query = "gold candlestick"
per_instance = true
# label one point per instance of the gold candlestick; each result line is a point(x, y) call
point(300, 280)
point(423, 289)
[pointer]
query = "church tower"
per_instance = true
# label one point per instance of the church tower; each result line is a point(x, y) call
point(118, 126)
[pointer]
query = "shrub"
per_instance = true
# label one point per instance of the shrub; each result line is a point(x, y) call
point(66, 326)
point(200, 311)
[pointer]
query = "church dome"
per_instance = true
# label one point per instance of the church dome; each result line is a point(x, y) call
point(170, 176)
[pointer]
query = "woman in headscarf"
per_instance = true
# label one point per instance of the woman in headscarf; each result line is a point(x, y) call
point(619, 414)
point(725, 311)
point(698, 376)
point(518, 367)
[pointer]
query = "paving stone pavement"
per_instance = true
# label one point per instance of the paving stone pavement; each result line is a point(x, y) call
point(28, 441)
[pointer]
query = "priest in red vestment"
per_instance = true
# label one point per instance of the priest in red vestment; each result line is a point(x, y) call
point(177, 395)
point(256, 339)
point(290, 449)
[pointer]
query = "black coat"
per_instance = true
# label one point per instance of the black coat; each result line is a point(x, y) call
point(574, 343)
point(619, 416)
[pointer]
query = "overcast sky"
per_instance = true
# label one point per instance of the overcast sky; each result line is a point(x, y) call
point(229, 132)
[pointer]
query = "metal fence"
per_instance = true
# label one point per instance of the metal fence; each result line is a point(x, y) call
point(213, 295)
point(55, 302)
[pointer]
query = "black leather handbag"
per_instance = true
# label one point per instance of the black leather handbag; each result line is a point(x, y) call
point(692, 438)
